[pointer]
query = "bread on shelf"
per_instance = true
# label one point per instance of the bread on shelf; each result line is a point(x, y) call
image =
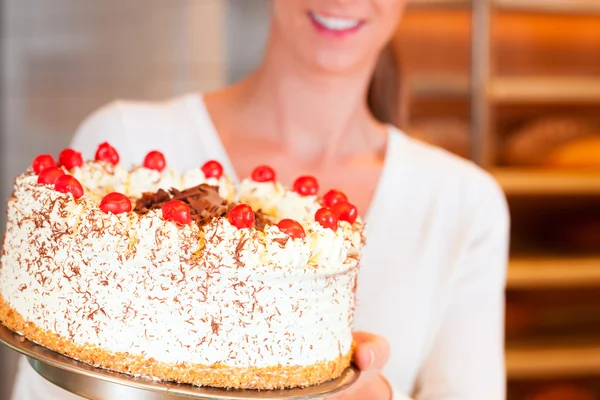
point(562, 142)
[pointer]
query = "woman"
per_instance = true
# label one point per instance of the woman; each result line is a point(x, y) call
point(432, 277)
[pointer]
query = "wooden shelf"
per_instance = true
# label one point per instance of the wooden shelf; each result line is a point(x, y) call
point(553, 272)
point(438, 3)
point(558, 6)
point(523, 181)
point(531, 362)
point(433, 85)
point(544, 90)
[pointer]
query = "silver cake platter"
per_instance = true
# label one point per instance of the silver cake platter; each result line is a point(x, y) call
point(98, 384)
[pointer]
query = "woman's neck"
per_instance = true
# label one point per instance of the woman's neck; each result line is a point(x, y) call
point(315, 116)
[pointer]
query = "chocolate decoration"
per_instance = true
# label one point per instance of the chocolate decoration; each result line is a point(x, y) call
point(204, 201)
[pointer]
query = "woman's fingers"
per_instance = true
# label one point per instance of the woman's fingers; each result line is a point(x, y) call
point(370, 386)
point(372, 351)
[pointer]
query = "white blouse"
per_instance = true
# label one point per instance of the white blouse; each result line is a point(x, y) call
point(433, 271)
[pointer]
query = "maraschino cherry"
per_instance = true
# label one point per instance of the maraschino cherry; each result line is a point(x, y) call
point(70, 159)
point(333, 197)
point(177, 211)
point(107, 153)
point(292, 228)
point(263, 173)
point(306, 185)
point(42, 162)
point(155, 160)
point(326, 218)
point(69, 184)
point(116, 203)
point(241, 216)
point(345, 211)
point(49, 175)
point(212, 169)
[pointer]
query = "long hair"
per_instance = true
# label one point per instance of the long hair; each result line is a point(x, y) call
point(387, 94)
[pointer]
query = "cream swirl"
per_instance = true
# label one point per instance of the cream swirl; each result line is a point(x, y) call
point(99, 178)
point(195, 177)
point(273, 199)
point(142, 180)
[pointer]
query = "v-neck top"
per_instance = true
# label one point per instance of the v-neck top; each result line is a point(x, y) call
point(432, 273)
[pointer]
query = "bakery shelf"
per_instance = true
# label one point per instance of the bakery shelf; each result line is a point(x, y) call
point(558, 6)
point(544, 89)
point(434, 85)
point(523, 181)
point(553, 272)
point(552, 361)
point(438, 3)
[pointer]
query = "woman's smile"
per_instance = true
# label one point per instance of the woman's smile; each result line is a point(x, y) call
point(335, 25)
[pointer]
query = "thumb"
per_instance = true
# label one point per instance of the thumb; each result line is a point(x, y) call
point(372, 351)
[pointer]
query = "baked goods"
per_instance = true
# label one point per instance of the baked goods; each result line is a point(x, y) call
point(131, 271)
point(581, 153)
point(558, 142)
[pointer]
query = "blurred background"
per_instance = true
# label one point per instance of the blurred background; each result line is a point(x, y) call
point(513, 85)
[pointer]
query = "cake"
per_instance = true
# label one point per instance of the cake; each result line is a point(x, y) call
point(182, 277)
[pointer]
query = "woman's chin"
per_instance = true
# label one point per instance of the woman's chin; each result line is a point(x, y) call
point(340, 63)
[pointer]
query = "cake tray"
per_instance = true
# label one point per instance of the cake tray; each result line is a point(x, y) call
point(99, 384)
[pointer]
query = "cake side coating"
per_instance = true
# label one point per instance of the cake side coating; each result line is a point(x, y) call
point(263, 378)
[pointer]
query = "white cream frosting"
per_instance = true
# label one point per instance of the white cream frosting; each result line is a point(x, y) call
point(99, 178)
point(273, 199)
point(195, 177)
point(217, 294)
point(142, 180)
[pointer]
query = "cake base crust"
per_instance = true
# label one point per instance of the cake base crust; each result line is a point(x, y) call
point(222, 376)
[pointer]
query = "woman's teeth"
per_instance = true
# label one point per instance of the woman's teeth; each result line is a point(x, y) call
point(335, 23)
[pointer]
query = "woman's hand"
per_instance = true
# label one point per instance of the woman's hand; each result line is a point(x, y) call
point(372, 353)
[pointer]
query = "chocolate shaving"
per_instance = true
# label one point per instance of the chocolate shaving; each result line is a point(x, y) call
point(261, 220)
point(151, 201)
point(204, 201)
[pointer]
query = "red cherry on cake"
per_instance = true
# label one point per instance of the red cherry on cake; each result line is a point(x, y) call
point(177, 211)
point(116, 203)
point(345, 211)
point(69, 184)
point(155, 160)
point(333, 197)
point(70, 159)
point(263, 173)
point(212, 169)
point(49, 175)
point(241, 216)
point(42, 162)
point(292, 228)
point(107, 153)
point(326, 218)
point(306, 185)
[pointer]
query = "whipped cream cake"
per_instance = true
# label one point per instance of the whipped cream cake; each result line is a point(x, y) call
point(182, 276)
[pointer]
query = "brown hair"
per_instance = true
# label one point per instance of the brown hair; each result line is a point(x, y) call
point(387, 95)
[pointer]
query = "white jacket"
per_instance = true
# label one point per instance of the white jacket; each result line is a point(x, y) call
point(433, 271)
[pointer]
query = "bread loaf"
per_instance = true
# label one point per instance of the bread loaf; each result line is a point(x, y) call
point(561, 142)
